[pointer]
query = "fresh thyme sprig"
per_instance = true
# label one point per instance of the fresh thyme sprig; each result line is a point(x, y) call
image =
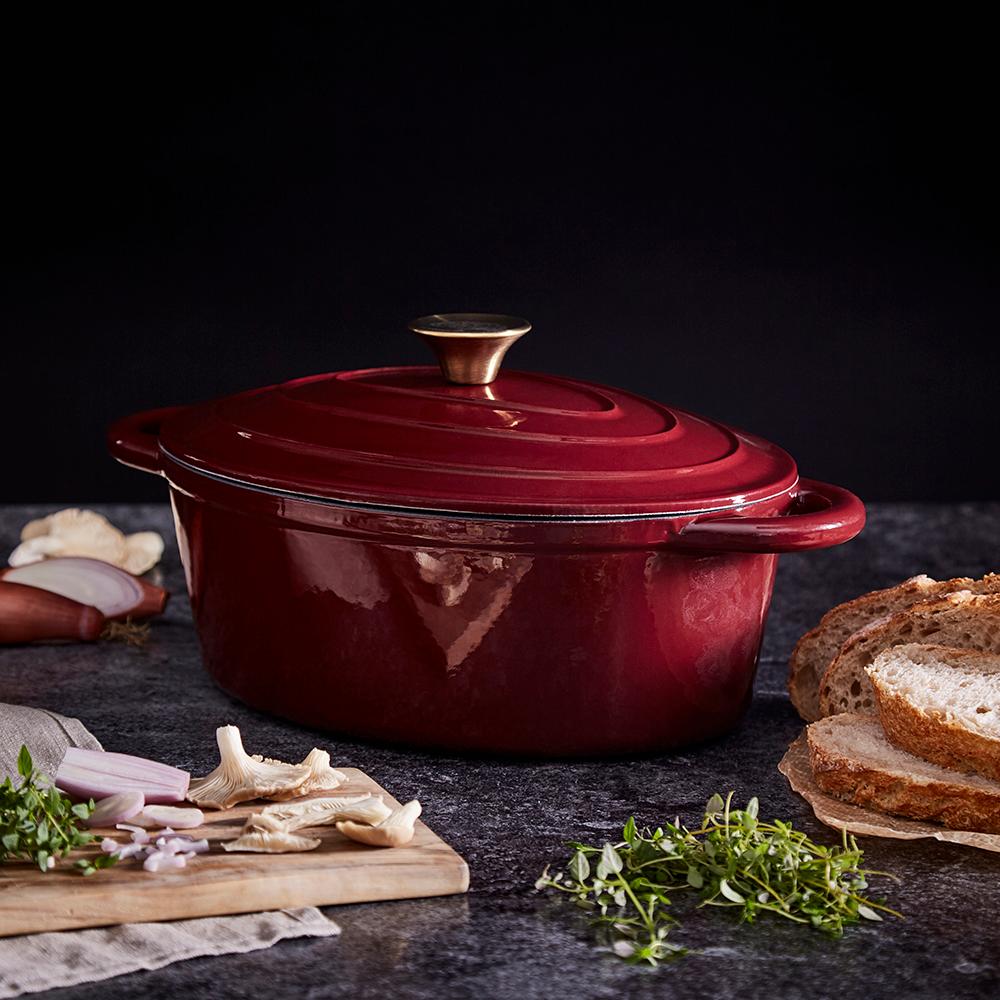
point(732, 859)
point(40, 824)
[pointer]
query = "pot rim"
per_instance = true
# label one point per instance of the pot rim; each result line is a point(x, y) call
point(448, 514)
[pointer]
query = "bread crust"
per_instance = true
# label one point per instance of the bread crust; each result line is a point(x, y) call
point(932, 736)
point(955, 806)
point(847, 671)
point(807, 664)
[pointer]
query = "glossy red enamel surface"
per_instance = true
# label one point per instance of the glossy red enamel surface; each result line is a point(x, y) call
point(562, 632)
point(525, 444)
point(467, 635)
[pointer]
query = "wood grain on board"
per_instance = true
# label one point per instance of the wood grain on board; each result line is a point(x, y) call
point(338, 871)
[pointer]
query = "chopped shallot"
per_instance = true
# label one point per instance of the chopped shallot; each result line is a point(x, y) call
point(182, 845)
point(159, 860)
point(130, 850)
point(123, 851)
point(139, 835)
point(169, 851)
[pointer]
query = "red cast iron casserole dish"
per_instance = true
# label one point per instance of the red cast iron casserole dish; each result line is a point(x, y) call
point(458, 558)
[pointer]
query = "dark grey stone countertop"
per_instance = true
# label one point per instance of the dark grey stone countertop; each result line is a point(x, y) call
point(510, 818)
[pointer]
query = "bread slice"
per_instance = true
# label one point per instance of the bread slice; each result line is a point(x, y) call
point(852, 759)
point(815, 651)
point(941, 704)
point(968, 621)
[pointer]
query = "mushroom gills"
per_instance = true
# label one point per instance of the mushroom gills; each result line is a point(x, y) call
point(322, 777)
point(240, 777)
point(270, 842)
point(329, 810)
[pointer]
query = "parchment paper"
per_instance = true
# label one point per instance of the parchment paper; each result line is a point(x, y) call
point(840, 815)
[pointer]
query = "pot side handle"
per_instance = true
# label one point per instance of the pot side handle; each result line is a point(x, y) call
point(821, 515)
point(135, 440)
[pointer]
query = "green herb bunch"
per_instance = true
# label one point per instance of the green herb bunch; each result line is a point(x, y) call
point(40, 824)
point(732, 859)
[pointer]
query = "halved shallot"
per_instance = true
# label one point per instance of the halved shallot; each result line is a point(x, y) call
point(94, 774)
point(29, 614)
point(115, 593)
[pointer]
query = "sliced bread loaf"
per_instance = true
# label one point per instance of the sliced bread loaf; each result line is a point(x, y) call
point(852, 760)
point(815, 651)
point(968, 621)
point(941, 704)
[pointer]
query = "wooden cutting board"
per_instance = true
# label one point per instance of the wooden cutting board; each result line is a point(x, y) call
point(338, 871)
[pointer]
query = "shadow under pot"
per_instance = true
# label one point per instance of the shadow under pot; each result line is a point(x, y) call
point(480, 560)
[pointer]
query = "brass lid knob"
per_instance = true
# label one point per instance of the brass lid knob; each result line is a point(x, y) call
point(469, 346)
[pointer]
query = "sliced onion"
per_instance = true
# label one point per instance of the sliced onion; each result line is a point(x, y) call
point(179, 819)
point(94, 774)
point(116, 808)
point(115, 593)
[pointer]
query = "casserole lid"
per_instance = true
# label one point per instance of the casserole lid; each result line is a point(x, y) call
point(466, 439)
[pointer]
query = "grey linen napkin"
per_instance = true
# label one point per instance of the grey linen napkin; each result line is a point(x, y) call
point(30, 963)
point(46, 734)
point(35, 962)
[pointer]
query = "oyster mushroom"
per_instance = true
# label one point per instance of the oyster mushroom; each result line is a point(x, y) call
point(75, 532)
point(369, 809)
point(70, 532)
point(322, 777)
point(394, 831)
point(142, 552)
point(240, 777)
point(262, 823)
point(270, 842)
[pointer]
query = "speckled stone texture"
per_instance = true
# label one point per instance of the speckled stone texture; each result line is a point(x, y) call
point(509, 819)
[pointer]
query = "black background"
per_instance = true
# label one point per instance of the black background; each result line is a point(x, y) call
point(781, 218)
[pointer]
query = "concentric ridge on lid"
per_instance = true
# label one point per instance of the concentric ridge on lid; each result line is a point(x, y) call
point(526, 443)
